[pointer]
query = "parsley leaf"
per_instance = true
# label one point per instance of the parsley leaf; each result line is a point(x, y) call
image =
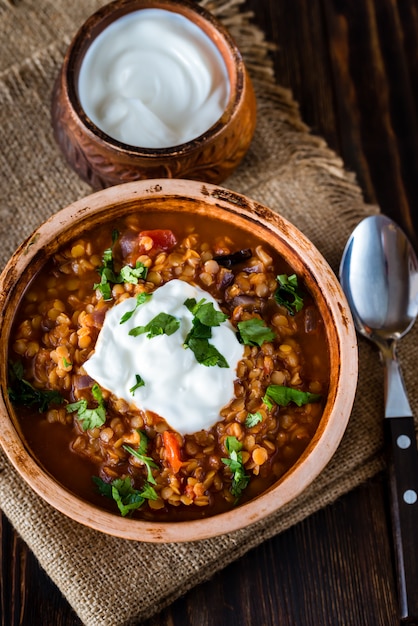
point(205, 316)
point(139, 383)
point(141, 298)
point(284, 395)
point(253, 419)
point(109, 276)
point(122, 491)
point(106, 271)
point(240, 479)
point(161, 324)
point(254, 332)
point(104, 488)
point(268, 402)
point(131, 275)
point(199, 330)
point(141, 455)
point(205, 352)
point(205, 312)
point(90, 418)
point(288, 293)
point(24, 393)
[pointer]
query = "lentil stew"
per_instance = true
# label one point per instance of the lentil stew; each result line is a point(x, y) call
point(134, 460)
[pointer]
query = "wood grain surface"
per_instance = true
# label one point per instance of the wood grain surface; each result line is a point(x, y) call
point(353, 67)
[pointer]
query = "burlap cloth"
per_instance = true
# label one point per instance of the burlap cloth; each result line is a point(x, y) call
point(287, 169)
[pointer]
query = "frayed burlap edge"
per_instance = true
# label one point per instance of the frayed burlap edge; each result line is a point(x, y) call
point(306, 182)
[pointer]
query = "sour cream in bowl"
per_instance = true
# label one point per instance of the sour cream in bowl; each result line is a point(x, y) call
point(153, 89)
point(153, 79)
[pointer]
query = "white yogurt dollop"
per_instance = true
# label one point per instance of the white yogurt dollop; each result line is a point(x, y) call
point(153, 79)
point(188, 395)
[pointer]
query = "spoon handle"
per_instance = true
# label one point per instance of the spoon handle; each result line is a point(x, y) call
point(403, 478)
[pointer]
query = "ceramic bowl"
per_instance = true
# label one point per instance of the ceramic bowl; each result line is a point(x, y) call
point(103, 161)
point(185, 197)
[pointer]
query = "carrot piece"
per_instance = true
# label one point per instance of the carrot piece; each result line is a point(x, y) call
point(172, 448)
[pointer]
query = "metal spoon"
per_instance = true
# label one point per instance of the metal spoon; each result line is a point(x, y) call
point(379, 275)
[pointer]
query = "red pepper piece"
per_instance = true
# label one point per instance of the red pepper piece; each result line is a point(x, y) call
point(172, 450)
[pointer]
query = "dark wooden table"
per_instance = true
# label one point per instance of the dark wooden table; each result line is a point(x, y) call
point(353, 68)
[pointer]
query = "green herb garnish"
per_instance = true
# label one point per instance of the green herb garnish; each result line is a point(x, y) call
point(267, 402)
point(253, 419)
point(161, 324)
point(240, 479)
point(205, 316)
point(132, 275)
point(23, 393)
point(109, 276)
point(284, 395)
point(254, 332)
point(90, 418)
point(141, 298)
point(140, 454)
point(205, 352)
point(139, 383)
point(126, 497)
point(205, 312)
point(288, 293)
point(106, 271)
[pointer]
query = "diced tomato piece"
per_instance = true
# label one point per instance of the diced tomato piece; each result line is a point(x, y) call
point(151, 242)
point(172, 450)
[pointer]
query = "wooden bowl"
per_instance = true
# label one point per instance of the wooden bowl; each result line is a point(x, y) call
point(103, 161)
point(185, 198)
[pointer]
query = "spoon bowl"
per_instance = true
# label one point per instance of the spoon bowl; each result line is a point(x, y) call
point(379, 273)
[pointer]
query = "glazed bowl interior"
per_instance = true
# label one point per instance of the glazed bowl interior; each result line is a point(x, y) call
point(185, 198)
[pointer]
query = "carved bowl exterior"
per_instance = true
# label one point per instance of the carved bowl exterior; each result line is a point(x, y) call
point(183, 197)
point(103, 161)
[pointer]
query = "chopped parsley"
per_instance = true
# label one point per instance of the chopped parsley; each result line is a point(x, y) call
point(141, 298)
point(253, 419)
point(161, 324)
point(288, 293)
point(90, 418)
point(205, 316)
point(109, 276)
point(139, 383)
point(142, 456)
point(132, 275)
point(240, 479)
point(205, 312)
point(22, 392)
point(284, 395)
point(205, 352)
point(127, 498)
point(254, 332)
point(106, 271)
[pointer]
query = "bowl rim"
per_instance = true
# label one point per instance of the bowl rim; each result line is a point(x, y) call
point(321, 281)
point(205, 20)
